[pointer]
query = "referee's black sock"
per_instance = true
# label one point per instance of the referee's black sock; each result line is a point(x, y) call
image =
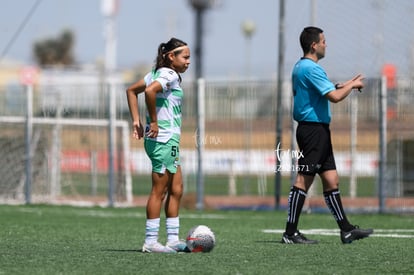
point(295, 204)
point(333, 200)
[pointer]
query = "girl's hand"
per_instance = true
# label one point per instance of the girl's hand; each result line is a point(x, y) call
point(153, 130)
point(138, 130)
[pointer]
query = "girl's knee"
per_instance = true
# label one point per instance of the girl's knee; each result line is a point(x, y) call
point(177, 190)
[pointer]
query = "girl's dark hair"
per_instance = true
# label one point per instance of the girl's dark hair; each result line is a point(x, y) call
point(308, 36)
point(164, 48)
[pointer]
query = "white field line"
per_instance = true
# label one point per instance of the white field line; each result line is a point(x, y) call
point(386, 233)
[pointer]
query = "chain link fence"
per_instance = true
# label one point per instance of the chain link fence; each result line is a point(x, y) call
point(239, 157)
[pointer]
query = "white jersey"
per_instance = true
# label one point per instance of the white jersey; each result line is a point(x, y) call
point(168, 104)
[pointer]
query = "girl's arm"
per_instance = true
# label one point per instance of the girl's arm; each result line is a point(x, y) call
point(150, 100)
point(132, 97)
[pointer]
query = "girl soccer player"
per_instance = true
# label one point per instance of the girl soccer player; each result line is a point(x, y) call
point(163, 96)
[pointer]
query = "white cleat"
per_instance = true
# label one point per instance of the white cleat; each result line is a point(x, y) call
point(179, 246)
point(157, 248)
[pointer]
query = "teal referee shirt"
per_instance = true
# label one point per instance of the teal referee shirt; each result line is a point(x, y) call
point(310, 85)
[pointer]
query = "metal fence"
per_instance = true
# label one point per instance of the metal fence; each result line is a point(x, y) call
point(239, 140)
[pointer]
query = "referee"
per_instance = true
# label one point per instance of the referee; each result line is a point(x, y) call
point(312, 93)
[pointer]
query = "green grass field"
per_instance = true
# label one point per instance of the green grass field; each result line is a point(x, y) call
point(40, 239)
point(80, 184)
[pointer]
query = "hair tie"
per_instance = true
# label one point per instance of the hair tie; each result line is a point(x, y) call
point(176, 49)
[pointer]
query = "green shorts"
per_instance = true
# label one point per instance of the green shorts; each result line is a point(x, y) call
point(163, 156)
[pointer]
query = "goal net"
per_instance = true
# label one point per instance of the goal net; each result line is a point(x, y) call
point(69, 159)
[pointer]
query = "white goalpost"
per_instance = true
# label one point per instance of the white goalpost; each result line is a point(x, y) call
point(52, 158)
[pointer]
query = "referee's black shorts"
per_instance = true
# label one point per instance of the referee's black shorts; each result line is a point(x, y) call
point(314, 140)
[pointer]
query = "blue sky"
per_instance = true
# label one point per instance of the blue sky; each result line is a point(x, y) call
point(361, 34)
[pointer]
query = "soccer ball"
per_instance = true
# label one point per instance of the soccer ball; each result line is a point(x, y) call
point(200, 238)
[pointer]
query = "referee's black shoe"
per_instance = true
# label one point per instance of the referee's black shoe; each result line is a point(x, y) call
point(297, 238)
point(355, 234)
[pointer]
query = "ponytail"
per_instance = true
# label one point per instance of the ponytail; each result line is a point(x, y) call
point(164, 49)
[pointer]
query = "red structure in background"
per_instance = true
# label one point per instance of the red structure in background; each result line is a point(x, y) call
point(82, 161)
point(390, 73)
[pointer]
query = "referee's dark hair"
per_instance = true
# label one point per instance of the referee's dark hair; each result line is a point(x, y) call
point(308, 36)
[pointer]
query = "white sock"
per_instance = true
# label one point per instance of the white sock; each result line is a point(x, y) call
point(151, 230)
point(173, 228)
